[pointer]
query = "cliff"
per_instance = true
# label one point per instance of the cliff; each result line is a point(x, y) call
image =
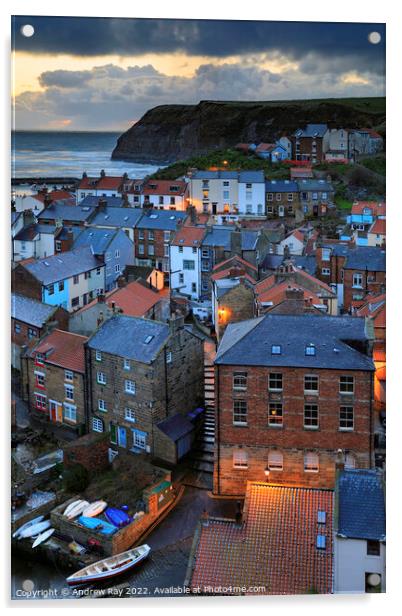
point(172, 132)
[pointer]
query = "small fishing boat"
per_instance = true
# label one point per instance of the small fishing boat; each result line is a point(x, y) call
point(27, 525)
point(35, 529)
point(110, 567)
point(71, 506)
point(117, 517)
point(97, 524)
point(77, 510)
point(43, 537)
point(94, 509)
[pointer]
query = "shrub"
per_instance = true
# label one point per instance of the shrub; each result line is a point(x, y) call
point(75, 478)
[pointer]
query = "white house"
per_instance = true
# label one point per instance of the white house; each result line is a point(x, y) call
point(294, 242)
point(35, 241)
point(251, 194)
point(102, 186)
point(359, 531)
point(165, 194)
point(185, 261)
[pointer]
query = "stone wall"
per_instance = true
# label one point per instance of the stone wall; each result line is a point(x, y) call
point(91, 451)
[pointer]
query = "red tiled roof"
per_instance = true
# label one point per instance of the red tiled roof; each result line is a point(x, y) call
point(108, 182)
point(378, 227)
point(189, 236)
point(274, 547)
point(277, 294)
point(55, 195)
point(134, 299)
point(375, 308)
point(66, 350)
point(233, 272)
point(378, 208)
point(264, 147)
point(234, 260)
point(165, 187)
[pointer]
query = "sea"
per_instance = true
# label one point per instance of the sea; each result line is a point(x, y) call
point(46, 154)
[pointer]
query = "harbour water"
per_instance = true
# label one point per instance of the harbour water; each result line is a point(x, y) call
point(68, 154)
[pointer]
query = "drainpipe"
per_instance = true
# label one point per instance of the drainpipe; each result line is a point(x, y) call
point(371, 417)
point(217, 427)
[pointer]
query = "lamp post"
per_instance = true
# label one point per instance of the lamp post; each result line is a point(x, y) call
point(266, 471)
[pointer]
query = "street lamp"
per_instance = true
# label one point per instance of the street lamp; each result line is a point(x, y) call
point(266, 471)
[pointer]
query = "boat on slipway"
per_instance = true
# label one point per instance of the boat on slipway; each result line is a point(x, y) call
point(97, 524)
point(110, 567)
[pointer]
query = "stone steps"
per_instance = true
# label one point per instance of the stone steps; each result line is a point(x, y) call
point(205, 467)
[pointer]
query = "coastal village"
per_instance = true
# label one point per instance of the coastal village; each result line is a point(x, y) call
point(203, 358)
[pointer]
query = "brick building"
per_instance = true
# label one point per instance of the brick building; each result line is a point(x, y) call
point(141, 372)
point(363, 272)
point(311, 143)
point(290, 392)
point(282, 199)
point(54, 382)
point(30, 319)
point(152, 237)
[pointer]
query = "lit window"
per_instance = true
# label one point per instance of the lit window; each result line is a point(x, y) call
point(240, 459)
point(275, 461)
point(275, 414)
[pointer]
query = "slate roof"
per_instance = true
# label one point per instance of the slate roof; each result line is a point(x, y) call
point(117, 217)
point(30, 311)
point(316, 185)
point(307, 263)
point(63, 349)
point(312, 130)
point(249, 342)
point(30, 232)
point(361, 504)
point(371, 258)
point(274, 546)
point(166, 220)
point(339, 250)
point(218, 236)
point(61, 211)
point(93, 201)
point(176, 427)
point(215, 175)
point(63, 265)
point(249, 239)
point(252, 177)
point(15, 216)
point(125, 336)
point(275, 186)
point(99, 239)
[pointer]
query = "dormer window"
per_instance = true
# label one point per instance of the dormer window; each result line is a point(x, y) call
point(276, 349)
point(310, 349)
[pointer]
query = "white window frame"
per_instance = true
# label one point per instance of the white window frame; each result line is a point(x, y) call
point(169, 357)
point(98, 356)
point(68, 388)
point(343, 392)
point(126, 364)
point(309, 465)
point(129, 414)
point(240, 459)
point(97, 425)
point(70, 412)
point(69, 376)
point(101, 378)
point(130, 389)
point(275, 460)
point(102, 405)
point(237, 422)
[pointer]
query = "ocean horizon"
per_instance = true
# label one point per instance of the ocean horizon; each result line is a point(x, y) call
point(68, 154)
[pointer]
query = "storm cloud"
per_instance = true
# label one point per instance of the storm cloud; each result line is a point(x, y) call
point(83, 36)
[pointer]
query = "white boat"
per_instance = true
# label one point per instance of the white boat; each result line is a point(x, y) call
point(43, 537)
point(35, 529)
point(109, 567)
point(77, 510)
point(21, 529)
point(94, 509)
point(71, 506)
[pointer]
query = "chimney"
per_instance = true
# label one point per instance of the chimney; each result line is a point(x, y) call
point(47, 200)
point(121, 282)
point(176, 322)
point(101, 298)
point(99, 319)
point(236, 271)
point(102, 203)
point(193, 214)
point(235, 243)
point(294, 294)
point(102, 173)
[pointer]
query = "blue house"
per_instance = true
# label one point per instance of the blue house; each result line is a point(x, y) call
point(113, 246)
point(69, 279)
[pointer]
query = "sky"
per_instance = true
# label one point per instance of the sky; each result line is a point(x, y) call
point(79, 73)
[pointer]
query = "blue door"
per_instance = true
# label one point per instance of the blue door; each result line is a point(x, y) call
point(122, 437)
